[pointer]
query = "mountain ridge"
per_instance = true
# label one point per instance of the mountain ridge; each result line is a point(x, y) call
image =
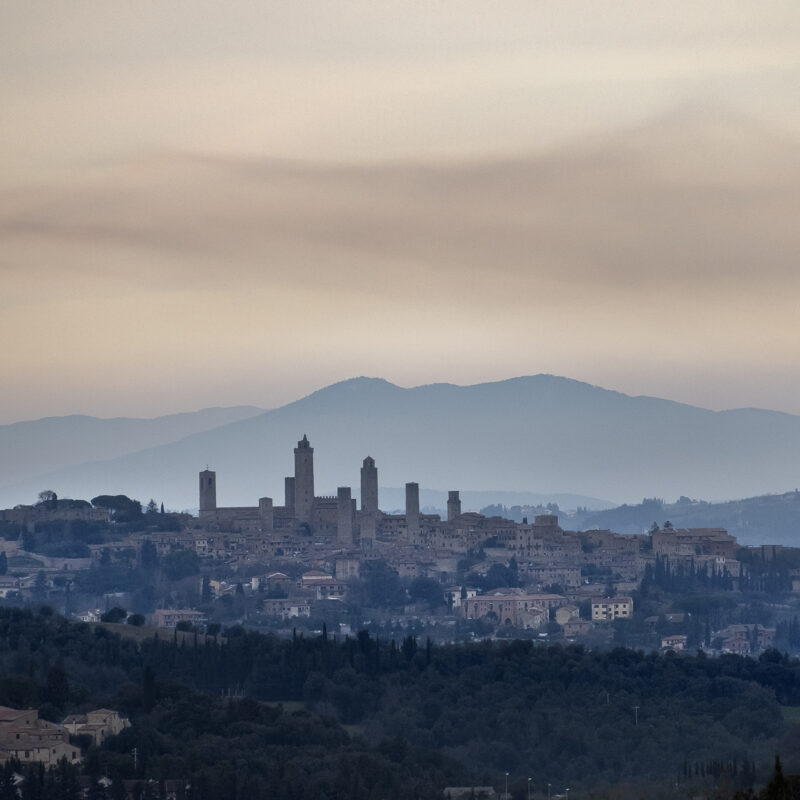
point(543, 434)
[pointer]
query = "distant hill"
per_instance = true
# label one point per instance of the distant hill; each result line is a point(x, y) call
point(773, 519)
point(542, 434)
point(30, 449)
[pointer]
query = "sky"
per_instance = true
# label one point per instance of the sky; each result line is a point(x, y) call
point(207, 203)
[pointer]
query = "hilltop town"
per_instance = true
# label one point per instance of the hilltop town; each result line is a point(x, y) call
point(315, 561)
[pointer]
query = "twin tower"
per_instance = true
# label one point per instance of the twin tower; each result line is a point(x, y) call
point(300, 489)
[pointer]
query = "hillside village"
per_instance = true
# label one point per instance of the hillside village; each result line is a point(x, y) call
point(327, 560)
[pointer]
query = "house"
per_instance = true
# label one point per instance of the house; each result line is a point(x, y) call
point(507, 607)
point(322, 584)
point(676, 642)
point(170, 617)
point(607, 608)
point(90, 615)
point(745, 640)
point(286, 608)
point(576, 627)
point(26, 737)
point(567, 613)
point(99, 724)
point(452, 596)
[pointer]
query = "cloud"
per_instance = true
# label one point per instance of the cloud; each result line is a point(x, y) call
point(673, 244)
point(680, 202)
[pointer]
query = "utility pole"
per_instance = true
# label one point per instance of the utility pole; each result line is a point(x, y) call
point(135, 752)
point(636, 714)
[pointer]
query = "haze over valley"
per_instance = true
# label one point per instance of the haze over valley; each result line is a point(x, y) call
point(548, 438)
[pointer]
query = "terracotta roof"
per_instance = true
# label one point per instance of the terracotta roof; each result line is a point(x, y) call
point(8, 714)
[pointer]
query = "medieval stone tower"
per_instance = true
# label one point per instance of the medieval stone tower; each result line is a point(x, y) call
point(453, 505)
point(369, 486)
point(412, 509)
point(303, 480)
point(344, 516)
point(289, 493)
point(208, 492)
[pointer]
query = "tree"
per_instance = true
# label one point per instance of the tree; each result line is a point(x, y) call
point(48, 497)
point(120, 507)
point(428, 590)
point(778, 787)
point(3, 562)
point(136, 619)
point(39, 590)
point(115, 614)
point(57, 686)
point(148, 555)
point(152, 507)
point(181, 564)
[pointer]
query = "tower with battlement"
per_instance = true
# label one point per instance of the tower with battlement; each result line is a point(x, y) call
point(369, 486)
point(208, 492)
point(303, 480)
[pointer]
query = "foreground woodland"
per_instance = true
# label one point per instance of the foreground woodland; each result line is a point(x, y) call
point(252, 715)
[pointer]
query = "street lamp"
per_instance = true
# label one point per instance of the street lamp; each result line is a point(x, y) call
point(567, 792)
point(548, 791)
point(529, 789)
point(506, 798)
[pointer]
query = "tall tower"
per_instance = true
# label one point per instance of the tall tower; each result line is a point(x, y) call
point(344, 516)
point(369, 486)
point(303, 480)
point(288, 484)
point(453, 505)
point(412, 510)
point(267, 513)
point(208, 492)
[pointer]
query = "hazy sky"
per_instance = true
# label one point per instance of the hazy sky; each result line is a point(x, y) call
point(207, 203)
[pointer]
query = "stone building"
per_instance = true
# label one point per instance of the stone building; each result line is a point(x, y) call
point(609, 608)
point(26, 737)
